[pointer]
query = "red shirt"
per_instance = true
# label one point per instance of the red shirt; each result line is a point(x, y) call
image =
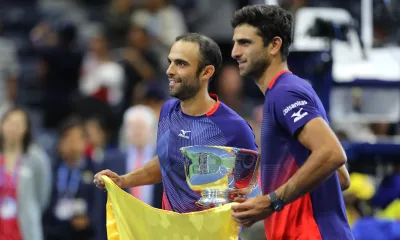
point(9, 228)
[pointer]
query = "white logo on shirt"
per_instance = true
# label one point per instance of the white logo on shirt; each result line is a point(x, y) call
point(298, 115)
point(293, 105)
point(183, 134)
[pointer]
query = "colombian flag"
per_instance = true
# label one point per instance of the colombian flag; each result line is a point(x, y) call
point(131, 219)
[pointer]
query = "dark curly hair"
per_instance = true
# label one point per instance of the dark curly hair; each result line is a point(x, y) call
point(271, 21)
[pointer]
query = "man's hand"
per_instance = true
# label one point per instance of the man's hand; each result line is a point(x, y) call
point(252, 210)
point(112, 175)
point(344, 177)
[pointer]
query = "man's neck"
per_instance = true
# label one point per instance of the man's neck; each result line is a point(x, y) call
point(269, 74)
point(198, 105)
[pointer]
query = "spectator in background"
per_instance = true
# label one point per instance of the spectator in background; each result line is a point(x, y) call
point(356, 197)
point(43, 35)
point(70, 214)
point(139, 132)
point(8, 73)
point(99, 135)
point(388, 190)
point(25, 179)
point(117, 22)
point(102, 78)
point(139, 61)
point(164, 22)
point(230, 91)
point(152, 95)
point(59, 70)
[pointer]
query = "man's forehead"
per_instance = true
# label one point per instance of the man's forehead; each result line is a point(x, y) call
point(184, 50)
point(244, 31)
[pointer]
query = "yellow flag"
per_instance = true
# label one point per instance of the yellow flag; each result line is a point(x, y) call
point(131, 219)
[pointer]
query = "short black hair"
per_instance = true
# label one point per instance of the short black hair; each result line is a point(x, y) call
point(70, 123)
point(271, 21)
point(27, 139)
point(210, 53)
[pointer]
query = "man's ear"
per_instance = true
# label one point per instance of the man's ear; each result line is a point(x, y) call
point(275, 46)
point(207, 72)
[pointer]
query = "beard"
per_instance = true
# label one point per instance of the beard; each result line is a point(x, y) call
point(257, 67)
point(185, 88)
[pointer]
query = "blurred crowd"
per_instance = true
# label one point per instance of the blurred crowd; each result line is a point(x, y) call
point(89, 79)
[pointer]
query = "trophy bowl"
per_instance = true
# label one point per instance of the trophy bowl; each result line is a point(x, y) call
point(220, 173)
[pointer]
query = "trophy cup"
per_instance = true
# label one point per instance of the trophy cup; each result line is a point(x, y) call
point(219, 173)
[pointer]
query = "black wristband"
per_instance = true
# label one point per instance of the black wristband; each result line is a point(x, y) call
point(276, 203)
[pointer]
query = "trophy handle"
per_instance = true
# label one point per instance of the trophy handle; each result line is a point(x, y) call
point(254, 176)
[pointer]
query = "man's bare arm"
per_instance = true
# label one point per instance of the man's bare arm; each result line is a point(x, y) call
point(327, 156)
point(146, 175)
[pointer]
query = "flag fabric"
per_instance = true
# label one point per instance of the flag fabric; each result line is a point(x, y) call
point(128, 218)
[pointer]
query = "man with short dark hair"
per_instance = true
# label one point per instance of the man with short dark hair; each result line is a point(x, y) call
point(194, 117)
point(300, 153)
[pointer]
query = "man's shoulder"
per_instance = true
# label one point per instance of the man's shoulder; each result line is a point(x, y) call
point(290, 82)
point(292, 87)
point(229, 119)
point(168, 106)
point(225, 112)
point(236, 129)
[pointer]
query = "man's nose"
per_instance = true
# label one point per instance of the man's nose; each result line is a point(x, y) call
point(236, 53)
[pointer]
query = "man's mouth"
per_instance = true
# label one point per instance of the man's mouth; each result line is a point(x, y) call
point(173, 82)
point(241, 63)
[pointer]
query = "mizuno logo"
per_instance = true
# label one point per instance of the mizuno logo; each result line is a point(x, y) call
point(183, 134)
point(298, 115)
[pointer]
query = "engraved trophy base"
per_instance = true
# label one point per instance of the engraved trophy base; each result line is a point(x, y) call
point(213, 198)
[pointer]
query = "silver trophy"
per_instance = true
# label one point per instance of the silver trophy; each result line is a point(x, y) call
point(219, 173)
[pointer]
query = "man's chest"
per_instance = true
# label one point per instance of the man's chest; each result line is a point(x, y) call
point(175, 133)
point(270, 128)
point(274, 139)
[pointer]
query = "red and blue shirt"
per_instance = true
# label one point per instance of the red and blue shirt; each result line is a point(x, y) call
point(291, 102)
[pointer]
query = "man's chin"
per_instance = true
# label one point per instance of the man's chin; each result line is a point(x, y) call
point(243, 72)
point(173, 94)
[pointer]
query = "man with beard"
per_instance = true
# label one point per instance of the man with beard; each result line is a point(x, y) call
point(300, 153)
point(194, 117)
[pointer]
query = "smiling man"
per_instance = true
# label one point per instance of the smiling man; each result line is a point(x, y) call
point(302, 167)
point(193, 117)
